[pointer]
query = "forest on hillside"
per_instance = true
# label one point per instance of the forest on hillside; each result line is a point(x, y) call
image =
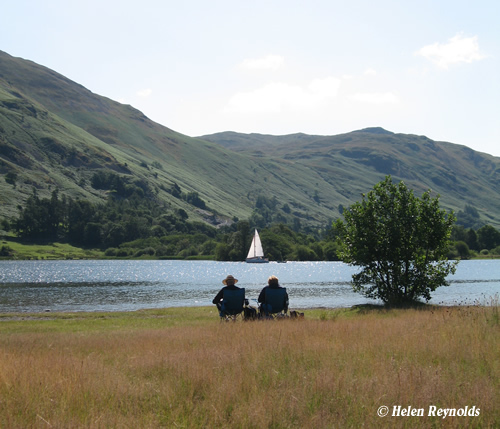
point(132, 224)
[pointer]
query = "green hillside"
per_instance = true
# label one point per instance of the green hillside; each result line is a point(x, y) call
point(349, 164)
point(56, 134)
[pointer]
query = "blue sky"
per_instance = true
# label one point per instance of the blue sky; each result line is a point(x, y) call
point(278, 67)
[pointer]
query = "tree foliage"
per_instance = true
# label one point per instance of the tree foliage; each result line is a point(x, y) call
point(137, 226)
point(488, 237)
point(133, 222)
point(399, 240)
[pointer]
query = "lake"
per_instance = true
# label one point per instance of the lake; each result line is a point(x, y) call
point(37, 286)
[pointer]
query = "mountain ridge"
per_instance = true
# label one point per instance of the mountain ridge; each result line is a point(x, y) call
point(454, 171)
point(54, 133)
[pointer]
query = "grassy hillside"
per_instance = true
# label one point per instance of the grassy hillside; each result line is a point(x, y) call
point(351, 163)
point(54, 133)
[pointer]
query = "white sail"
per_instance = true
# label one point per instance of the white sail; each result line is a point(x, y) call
point(256, 250)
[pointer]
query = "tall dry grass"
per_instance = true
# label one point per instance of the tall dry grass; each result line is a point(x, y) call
point(324, 373)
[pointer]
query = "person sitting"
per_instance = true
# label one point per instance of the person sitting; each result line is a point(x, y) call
point(272, 283)
point(229, 283)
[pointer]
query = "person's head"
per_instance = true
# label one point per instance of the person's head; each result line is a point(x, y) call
point(229, 280)
point(273, 280)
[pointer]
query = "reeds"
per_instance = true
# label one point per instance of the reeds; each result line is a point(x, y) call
point(335, 370)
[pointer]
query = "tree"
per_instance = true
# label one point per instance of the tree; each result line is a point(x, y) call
point(469, 217)
point(194, 199)
point(11, 178)
point(399, 240)
point(488, 237)
point(462, 249)
point(471, 239)
point(41, 218)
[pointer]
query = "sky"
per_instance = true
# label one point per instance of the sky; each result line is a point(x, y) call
point(323, 67)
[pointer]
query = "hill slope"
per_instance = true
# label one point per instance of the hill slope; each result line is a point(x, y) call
point(351, 163)
point(55, 133)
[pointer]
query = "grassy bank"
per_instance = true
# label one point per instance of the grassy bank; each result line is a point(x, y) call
point(182, 368)
point(22, 251)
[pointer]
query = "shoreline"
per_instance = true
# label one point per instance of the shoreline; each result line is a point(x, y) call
point(56, 251)
point(158, 312)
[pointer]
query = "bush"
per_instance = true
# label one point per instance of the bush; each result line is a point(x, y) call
point(6, 251)
point(496, 251)
point(111, 251)
point(462, 249)
point(148, 251)
point(304, 253)
point(122, 253)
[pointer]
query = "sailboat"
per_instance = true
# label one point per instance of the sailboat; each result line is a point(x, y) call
point(256, 252)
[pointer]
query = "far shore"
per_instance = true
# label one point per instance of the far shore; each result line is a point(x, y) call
point(63, 251)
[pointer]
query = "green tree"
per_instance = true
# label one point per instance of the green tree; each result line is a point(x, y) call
point(471, 239)
point(330, 251)
point(304, 253)
point(194, 199)
point(278, 242)
point(222, 252)
point(462, 249)
point(5, 225)
point(488, 237)
point(399, 240)
point(11, 178)
point(469, 217)
point(41, 218)
point(80, 212)
point(246, 234)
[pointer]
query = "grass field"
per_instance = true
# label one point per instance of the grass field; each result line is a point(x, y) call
point(183, 368)
point(48, 251)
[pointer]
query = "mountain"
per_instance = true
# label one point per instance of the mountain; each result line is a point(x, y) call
point(56, 134)
point(351, 163)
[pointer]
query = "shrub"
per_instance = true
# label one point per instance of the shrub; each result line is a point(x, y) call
point(148, 251)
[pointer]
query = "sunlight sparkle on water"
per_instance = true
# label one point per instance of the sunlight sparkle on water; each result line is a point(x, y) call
point(132, 285)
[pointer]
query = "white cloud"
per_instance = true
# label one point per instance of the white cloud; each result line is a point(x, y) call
point(270, 98)
point(324, 88)
point(144, 92)
point(279, 96)
point(370, 72)
point(458, 49)
point(269, 62)
point(375, 97)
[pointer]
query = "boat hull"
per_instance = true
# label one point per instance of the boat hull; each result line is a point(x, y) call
point(257, 260)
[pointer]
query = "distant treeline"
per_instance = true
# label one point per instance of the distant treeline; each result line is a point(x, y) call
point(468, 242)
point(133, 224)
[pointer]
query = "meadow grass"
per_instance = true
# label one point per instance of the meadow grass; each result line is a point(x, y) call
point(49, 251)
point(181, 367)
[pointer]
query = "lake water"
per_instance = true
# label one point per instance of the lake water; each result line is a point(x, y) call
point(37, 286)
